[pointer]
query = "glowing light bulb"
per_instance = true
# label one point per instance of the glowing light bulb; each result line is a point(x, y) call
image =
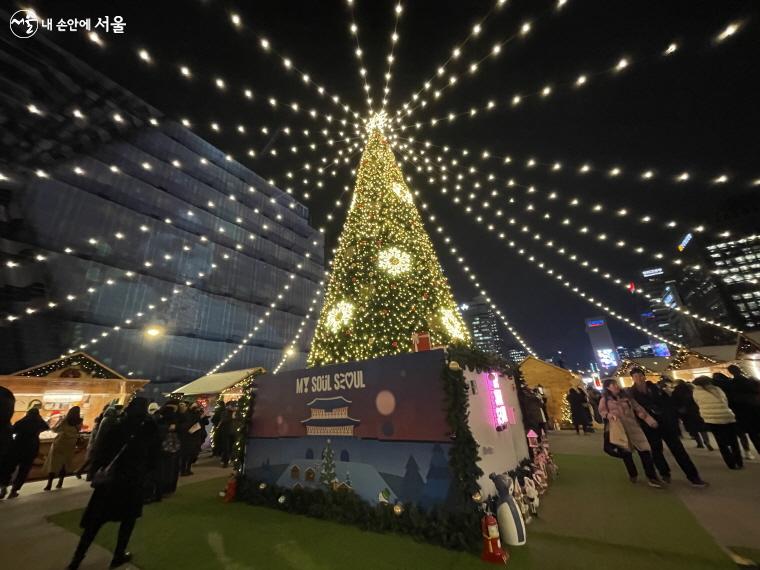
point(729, 31)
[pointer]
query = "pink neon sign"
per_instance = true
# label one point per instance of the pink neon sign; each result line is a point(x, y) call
point(498, 408)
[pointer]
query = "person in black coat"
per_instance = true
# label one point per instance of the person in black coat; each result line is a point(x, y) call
point(743, 395)
point(224, 432)
point(167, 471)
point(131, 450)
point(199, 436)
point(580, 409)
point(659, 405)
point(186, 428)
point(26, 444)
point(7, 404)
point(688, 411)
point(594, 397)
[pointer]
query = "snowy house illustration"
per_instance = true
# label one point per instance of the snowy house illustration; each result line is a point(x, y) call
point(329, 417)
point(361, 478)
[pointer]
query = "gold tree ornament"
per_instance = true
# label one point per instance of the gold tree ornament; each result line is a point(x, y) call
point(386, 282)
point(402, 193)
point(394, 261)
point(339, 316)
point(452, 321)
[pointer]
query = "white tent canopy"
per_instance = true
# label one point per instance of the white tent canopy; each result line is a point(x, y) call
point(215, 383)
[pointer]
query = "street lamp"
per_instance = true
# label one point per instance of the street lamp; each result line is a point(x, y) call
point(153, 331)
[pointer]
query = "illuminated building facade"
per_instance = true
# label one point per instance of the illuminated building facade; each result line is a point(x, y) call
point(736, 266)
point(488, 332)
point(141, 227)
point(605, 354)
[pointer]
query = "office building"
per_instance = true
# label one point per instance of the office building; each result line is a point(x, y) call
point(488, 332)
point(643, 351)
point(516, 355)
point(736, 266)
point(602, 346)
point(135, 240)
point(656, 317)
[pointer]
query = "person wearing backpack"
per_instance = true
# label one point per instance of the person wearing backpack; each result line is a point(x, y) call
point(616, 406)
point(129, 451)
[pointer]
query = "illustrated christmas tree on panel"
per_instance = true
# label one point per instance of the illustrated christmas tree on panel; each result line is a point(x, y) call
point(386, 281)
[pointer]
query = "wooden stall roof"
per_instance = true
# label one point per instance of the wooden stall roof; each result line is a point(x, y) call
point(216, 383)
point(87, 385)
point(85, 365)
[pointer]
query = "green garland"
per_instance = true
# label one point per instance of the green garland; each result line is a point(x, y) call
point(457, 527)
point(246, 405)
point(475, 359)
point(450, 529)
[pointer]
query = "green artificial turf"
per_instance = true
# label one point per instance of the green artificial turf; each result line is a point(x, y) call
point(591, 518)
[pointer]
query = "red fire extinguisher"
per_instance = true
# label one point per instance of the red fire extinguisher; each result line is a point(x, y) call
point(230, 490)
point(492, 550)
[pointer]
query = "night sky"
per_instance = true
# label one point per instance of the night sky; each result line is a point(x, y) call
point(695, 111)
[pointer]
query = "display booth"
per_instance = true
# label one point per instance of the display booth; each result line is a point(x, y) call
point(209, 388)
point(58, 385)
point(554, 383)
point(381, 428)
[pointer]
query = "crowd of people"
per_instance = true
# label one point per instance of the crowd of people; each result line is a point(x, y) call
point(135, 455)
point(647, 417)
point(182, 429)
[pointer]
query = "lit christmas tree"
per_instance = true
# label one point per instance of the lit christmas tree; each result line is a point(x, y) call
point(327, 469)
point(386, 281)
point(567, 416)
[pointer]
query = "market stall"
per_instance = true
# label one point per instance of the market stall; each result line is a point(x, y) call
point(56, 386)
point(206, 390)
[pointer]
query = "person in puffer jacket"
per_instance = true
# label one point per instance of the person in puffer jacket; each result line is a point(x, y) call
point(720, 420)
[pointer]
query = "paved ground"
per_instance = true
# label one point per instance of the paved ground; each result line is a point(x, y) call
point(729, 509)
point(28, 540)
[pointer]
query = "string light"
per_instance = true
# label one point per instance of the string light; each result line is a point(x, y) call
point(583, 230)
point(396, 258)
point(261, 321)
point(223, 87)
point(359, 54)
point(554, 195)
point(394, 40)
point(728, 31)
point(475, 32)
point(524, 29)
point(451, 248)
point(541, 93)
point(146, 263)
point(95, 38)
point(573, 288)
